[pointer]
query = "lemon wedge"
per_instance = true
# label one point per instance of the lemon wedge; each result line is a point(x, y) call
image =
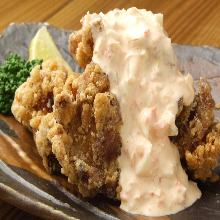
point(43, 47)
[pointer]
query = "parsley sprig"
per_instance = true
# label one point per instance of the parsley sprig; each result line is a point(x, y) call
point(13, 72)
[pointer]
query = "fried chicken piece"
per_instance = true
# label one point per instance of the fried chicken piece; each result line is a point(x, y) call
point(86, 139)
point(81, 46)
point(76, 127)
point(194, 121)
point(35, 97)
point(204, 158)
point(198, 143)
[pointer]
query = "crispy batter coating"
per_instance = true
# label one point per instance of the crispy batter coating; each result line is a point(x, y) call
point(198, 140)
point(35, 97)
point(204, 158)
point(76, 123)
point(86, 110)
point(81, 46)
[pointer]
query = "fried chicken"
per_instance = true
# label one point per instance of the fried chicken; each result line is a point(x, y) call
point(195, 123)
point(35, 97)
point(204, 158)
point(198, 137)
point(81, 46)
point(75, 121)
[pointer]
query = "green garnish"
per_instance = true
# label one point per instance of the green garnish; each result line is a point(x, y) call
point(13, 72)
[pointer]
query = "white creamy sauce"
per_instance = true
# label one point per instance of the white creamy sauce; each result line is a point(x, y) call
point(132, 48)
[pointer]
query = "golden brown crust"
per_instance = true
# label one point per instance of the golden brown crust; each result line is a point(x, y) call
point(33, 105)
point(88, 154)
point(204, 158)
point(35, 97)
point(81, 46)
point(80, 130)
point(198, 140)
